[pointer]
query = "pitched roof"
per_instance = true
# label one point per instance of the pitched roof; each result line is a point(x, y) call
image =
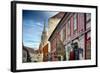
point(59, 15)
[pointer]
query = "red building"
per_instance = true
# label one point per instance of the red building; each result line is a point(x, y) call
point(73, 27)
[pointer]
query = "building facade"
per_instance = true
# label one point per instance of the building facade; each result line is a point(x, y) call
point(57, 51)
point(45, 53)
point(27, 54)
point(36, 56)
point(74, 28)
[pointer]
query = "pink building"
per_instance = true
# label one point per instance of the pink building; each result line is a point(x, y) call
point(73, 27)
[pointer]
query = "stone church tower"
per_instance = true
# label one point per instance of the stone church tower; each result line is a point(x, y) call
point(44, 37)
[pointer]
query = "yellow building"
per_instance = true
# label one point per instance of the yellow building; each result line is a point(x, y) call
point(53, 21)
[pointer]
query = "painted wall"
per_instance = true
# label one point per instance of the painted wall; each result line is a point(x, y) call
point(52, 23)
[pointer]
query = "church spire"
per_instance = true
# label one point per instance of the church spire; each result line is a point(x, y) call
point(44, 36)
point(44, 29)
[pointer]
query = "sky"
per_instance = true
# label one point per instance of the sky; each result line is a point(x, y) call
point(33, 23)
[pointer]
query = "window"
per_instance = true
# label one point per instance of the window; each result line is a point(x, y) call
point(88, 20)
point(75, 22)
point(88, 46)
point(88, 16)
point(63, 34)
point(68, 28)
point(88, 25)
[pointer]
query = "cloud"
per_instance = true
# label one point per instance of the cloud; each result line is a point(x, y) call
point(32, 41)
point(32, 45)
point(39, 24)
